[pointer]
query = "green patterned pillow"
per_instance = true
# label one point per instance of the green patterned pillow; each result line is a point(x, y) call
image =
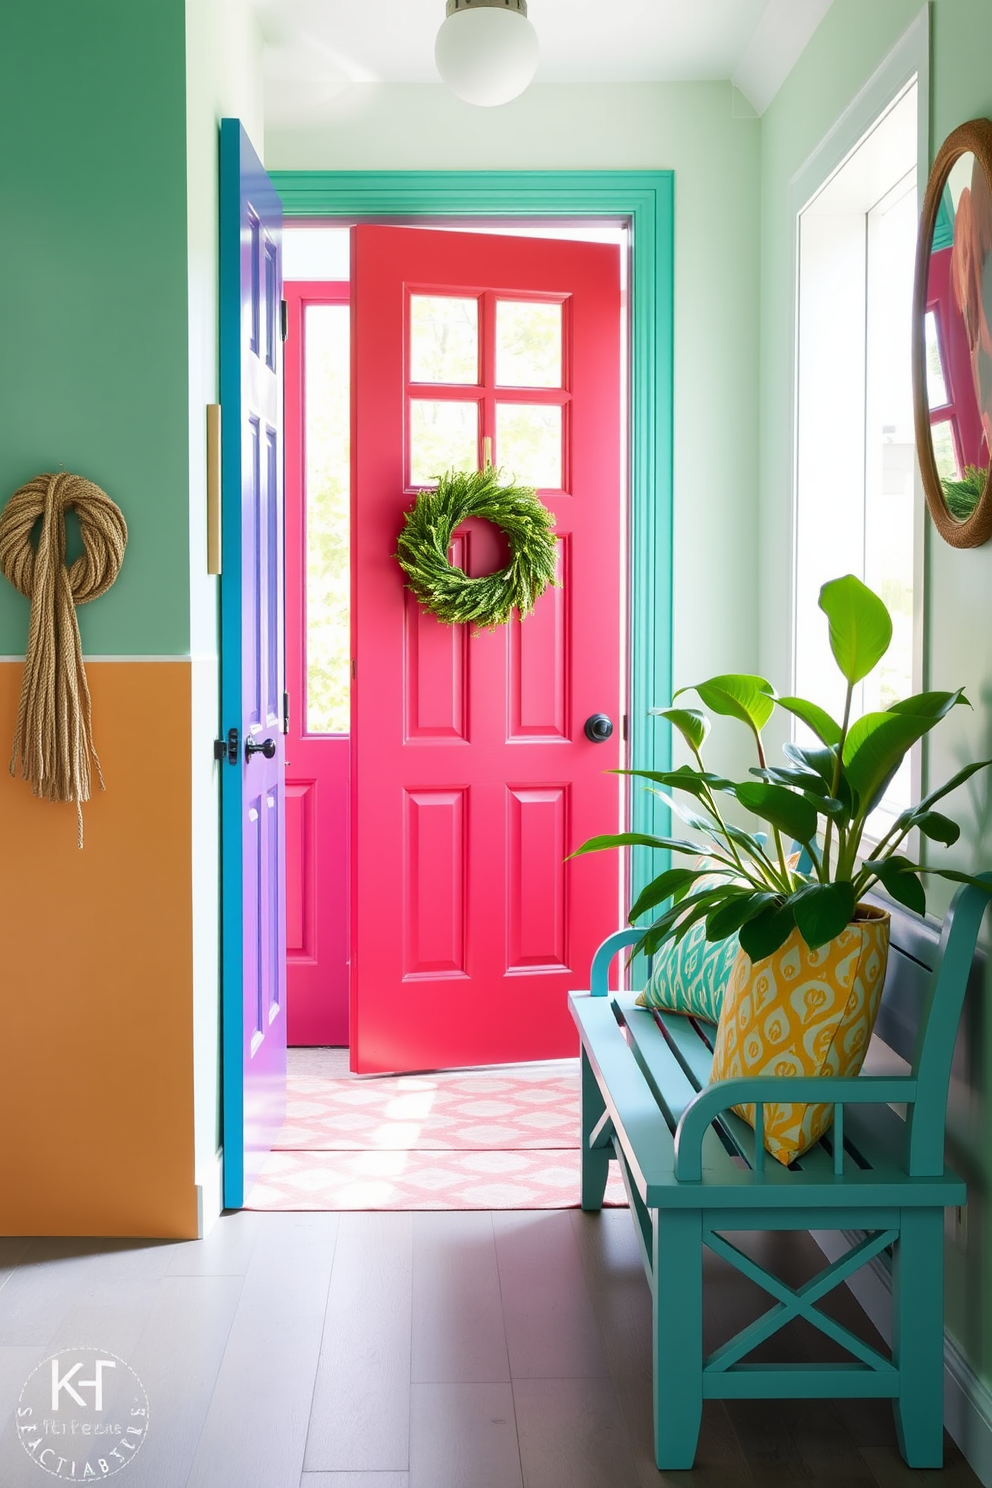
point(691, 977)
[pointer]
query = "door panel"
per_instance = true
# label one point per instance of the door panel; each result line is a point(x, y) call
point(252, 793)
point(317, 761)
point(472, 779)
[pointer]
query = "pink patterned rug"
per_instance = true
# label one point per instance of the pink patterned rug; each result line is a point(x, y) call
point(503, 1138)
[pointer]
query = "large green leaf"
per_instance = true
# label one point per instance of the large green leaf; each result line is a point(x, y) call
point(770, 929)
point(823, 726)
point(737, 695)
point(735, 912)
point(875, 747)
point(680, 918)
point(691, 818)
point(636, 839)
point(822, 762)
point(930, 704)
point(937, 827)
point(954, 877)
point(899, 878)
point(783, 775)
point(779, 807)
point(664, 887)
point(860, 626)
point(696, 782)
point(838, 811)
point(813, 787)
point(753, 847)
point(822, 911)
point(690, 722)
point(944, 790)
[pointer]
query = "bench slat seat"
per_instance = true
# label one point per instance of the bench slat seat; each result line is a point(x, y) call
point(635, 1110)
point(694, 1171)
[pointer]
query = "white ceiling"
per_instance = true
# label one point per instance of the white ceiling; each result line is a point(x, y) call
point(315, 49)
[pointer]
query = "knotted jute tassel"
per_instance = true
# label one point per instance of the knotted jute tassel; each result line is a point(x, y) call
point(54, 734)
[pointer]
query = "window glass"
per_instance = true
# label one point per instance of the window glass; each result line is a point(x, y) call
point(856, 488)
point(936, 381)
point(528, 343)
point(528, 443)
point(327, 494)
point(444, 435)
point(944, 452)
point(444, 339)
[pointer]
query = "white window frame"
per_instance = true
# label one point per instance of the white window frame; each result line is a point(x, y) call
point(906, 64)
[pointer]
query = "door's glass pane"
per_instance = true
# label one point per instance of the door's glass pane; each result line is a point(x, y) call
point(943, 450)
point(528, 344)
point(444, 339)
point(528, 443)
point(327, 493)
point(936, 382)
point(444, 436)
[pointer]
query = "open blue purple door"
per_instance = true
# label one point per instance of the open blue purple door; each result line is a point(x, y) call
point(252, 680)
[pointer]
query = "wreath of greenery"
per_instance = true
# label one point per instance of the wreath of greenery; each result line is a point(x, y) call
point(450, 594)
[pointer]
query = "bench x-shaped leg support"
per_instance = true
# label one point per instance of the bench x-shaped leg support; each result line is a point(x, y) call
point(794, 1303)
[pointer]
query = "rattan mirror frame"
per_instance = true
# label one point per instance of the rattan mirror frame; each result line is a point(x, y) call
point(976, 137)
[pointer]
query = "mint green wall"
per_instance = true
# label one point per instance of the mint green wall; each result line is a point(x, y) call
point(851, 42)
point(93, 375)
point(108, 299)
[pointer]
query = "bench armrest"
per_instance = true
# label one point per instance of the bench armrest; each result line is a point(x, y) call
point(828, 1090)
point(599, 971)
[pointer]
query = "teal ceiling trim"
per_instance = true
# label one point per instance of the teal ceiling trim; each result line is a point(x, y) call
point(645, 201)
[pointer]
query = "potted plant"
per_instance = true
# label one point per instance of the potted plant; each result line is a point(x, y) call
point(831, 786)
point(807, 979)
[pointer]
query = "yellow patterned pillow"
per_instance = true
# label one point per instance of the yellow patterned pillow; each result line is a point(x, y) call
point(803, 1012)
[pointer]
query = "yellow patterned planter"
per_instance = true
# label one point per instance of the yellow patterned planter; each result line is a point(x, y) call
point(803, 1012)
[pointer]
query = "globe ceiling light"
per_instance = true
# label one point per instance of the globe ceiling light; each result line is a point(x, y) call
point(486, 50)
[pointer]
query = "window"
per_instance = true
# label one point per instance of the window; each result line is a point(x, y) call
point(856, 487)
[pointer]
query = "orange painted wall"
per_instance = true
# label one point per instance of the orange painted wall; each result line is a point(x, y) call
point(96, 1044)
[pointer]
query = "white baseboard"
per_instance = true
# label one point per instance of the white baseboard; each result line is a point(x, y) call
point(209, 1203)
point(968, 1411)
point(967, 1400)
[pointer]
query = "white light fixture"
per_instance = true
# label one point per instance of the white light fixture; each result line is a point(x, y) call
point(486, 50)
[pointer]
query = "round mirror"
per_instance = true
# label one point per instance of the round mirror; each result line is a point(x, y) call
point(952, 337)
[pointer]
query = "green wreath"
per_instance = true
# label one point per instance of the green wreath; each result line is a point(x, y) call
point(445, 590)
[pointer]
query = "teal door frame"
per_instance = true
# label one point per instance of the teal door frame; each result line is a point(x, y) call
point(644, 201)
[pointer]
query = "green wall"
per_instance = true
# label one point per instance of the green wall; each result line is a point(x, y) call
point(93, 291)
point(108, 299)
point(850, 44)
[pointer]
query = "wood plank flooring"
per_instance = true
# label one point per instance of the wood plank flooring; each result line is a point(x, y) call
point(434, 1350)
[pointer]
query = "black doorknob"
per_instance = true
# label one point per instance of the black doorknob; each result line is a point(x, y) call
point(268, 749)
point(598, 728)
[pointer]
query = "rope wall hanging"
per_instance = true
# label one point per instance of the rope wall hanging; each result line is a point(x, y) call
point(449, 593)
point(54, 733)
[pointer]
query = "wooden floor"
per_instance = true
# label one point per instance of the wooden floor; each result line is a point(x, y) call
point(445, 1350)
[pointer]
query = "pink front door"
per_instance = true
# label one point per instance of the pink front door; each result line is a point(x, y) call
point(317, 744)
point(472, 776)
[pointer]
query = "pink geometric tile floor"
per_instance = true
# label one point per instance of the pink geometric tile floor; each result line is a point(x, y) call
point(499, 1138)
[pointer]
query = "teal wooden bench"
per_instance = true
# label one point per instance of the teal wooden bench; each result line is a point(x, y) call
point(694, 1171)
